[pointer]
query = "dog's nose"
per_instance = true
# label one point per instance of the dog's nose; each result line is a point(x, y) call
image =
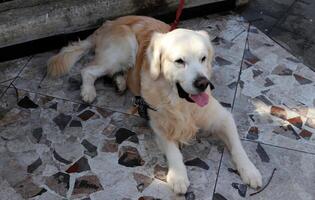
point(201, 83)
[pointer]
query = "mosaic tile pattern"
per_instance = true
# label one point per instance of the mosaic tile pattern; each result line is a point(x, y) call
point(276, 96)
point(9, 70)
point(50, 145)
point(53, 146)
point(292, 179)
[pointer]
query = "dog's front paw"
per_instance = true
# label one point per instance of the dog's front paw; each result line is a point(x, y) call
point(88, 94)
point(250, 175)
point(178, 181)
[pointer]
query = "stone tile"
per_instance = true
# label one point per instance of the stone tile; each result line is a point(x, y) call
point(301, 47)
point(146, 179)
point(268, 11)
point(293, 178)
point(142, 181)
point(32, 167)
point(59, 183)
point(79, 166)
point(91, 149)
point(86, 185)
point(48, 196)
point(129, 157)
point(283, 103)
point(2, 90)
point(299, 19)
point(296, 30)
point(28, 189)
point(47, 153)
point(7, 192)
point(12, 171)
point(110, 146)
point(11, 69)
point(289, 22)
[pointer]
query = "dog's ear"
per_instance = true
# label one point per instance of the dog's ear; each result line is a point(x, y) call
point(207, 40)
point(206, 37)
point(154, 54)
point(204, 34)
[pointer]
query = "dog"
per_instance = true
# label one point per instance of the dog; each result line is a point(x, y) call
point(171, 71)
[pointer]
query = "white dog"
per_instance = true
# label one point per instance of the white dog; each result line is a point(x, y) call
point(171, 71)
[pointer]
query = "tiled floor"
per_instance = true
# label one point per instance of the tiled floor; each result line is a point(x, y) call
point(289, 22)
point(53, 146)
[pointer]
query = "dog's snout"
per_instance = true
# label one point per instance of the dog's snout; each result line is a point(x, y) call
point(201, 83)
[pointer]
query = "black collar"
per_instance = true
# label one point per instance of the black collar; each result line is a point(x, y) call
point(142, 106)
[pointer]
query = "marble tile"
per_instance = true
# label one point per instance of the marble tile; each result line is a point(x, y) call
point(276, 96)
point(133, 178)
point(265, 14)
point(2, 90)
point(9, 70)
point(293, 178)
point(296, 29)
point(62, 149)
point(7, 192)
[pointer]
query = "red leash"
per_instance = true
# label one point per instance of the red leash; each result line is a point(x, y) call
point(178, 14)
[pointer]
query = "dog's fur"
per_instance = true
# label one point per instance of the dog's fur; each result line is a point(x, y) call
point(147, 54)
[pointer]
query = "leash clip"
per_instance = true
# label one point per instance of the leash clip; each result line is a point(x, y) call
point(142, 107)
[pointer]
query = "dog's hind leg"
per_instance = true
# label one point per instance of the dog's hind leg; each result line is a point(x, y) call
point(89, 75)
point(116, 49)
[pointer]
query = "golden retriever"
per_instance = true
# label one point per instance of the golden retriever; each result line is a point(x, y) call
point(171, 71)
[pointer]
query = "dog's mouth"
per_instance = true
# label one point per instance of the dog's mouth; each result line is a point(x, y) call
point(201, 99)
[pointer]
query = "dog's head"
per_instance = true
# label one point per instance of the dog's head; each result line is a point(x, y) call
point(184, 58)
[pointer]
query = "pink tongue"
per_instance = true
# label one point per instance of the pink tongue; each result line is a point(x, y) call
point(201, 99)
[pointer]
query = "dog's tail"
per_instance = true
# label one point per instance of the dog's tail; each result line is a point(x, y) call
point(61, 63)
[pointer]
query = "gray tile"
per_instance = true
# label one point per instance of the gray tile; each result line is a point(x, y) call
point(7, 192)
point(202, 181)
point(285, 89)
point(299, 45)
point(10, 69)
point(33, 73)
point(289, 22)
point(293, 179)
point(37, 127)
point(2, 89)
point(299, 20)
point(296, 30)
point(267, 11)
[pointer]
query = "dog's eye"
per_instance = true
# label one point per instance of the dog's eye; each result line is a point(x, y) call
point(180, 61)
point(203, 58)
